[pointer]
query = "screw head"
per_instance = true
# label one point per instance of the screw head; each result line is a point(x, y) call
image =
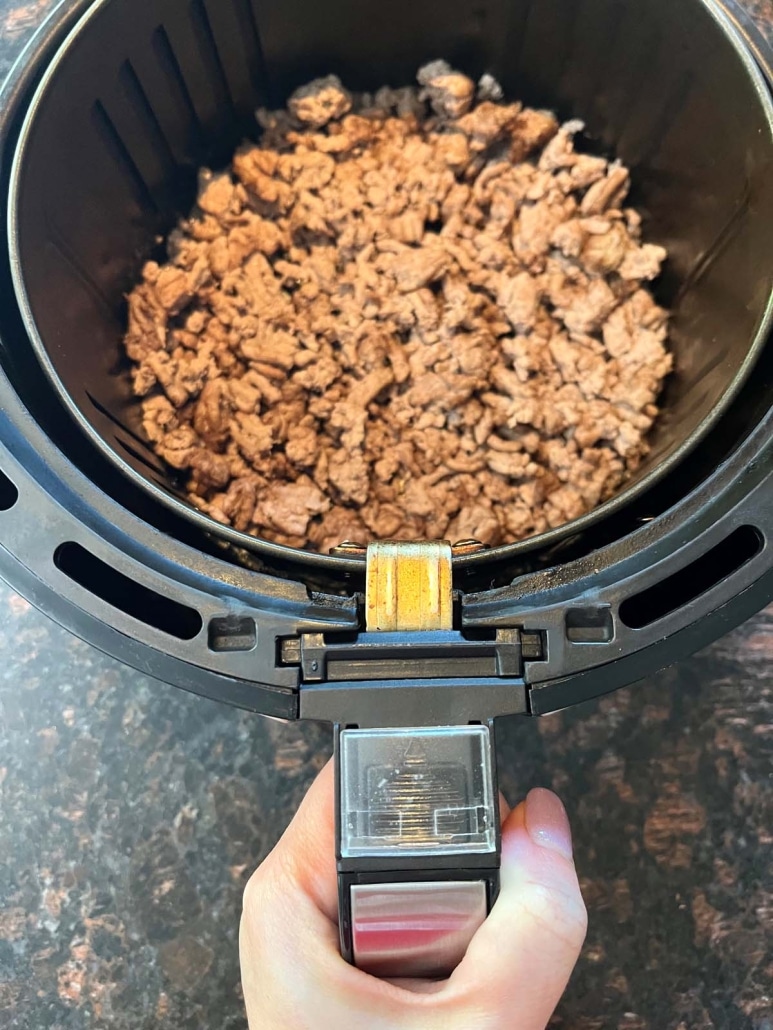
point(349, 549)
point(352, 549)
point(467, 547)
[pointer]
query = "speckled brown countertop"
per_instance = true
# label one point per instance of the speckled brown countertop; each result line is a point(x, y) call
point(132, 813)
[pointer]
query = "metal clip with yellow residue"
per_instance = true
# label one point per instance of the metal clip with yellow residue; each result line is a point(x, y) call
point(408, 586)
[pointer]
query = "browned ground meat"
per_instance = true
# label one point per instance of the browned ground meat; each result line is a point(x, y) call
point(415, 314)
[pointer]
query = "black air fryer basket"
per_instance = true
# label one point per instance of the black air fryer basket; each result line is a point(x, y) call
point(103, 126)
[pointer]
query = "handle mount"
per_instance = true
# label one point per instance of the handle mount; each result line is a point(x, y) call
point(418, 844)
point(417, 817)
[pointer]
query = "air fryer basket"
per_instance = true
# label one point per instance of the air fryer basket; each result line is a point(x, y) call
point(143, 94)
point(103, 128)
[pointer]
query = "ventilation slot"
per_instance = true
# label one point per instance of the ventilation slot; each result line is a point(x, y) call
point(118, 151)
point(693, 580)
point(156, 470)
point(116, 421)
point(123, 593)
point(57, 242)
point(137, 97)
point(232, 633)
point(176, 84)
point(9, 495)
point(210, 57)
point(591, 625)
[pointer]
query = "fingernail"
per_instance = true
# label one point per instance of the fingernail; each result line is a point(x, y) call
point(547, 823)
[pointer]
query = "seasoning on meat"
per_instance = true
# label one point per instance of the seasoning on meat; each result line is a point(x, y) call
point(415, 314)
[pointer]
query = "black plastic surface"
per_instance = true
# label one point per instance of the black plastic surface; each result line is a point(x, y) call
point(144, 93)
point(55, 488)
point(445, 654)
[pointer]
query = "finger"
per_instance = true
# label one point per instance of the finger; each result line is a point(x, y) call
point(288, 938)
point(305, 854)
point(504, 809)
point(292, 970)
point(519, 961)
point(306, 850)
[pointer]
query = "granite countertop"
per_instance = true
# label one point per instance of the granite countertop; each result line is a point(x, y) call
point(131, 815)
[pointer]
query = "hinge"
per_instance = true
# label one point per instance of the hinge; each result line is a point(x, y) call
point(409, 631)
point(408, 587)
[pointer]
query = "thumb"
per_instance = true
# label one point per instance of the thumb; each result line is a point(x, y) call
point(523, 954)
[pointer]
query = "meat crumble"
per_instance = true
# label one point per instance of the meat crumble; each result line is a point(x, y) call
point(421, 313)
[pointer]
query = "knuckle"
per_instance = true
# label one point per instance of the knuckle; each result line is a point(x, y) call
point(257, 907)
point(256, 921)
point(559, 915)
point(251, 896)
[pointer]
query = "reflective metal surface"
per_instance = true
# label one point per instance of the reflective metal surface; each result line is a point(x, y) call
point(408, 586)
point(415, 929)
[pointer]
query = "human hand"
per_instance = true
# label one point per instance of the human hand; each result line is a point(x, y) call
point(515, 970)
